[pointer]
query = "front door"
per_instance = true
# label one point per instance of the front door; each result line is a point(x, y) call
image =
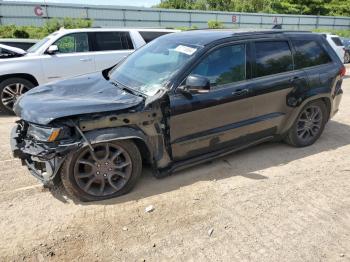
point(219, 118)
point(73, 58)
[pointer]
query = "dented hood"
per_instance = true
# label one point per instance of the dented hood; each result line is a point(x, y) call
point(85, 94)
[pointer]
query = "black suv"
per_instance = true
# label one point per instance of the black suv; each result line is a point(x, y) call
point(182, 99)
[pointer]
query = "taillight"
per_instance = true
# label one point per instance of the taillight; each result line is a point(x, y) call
point(342, 71)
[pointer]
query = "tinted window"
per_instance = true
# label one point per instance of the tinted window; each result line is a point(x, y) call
point(73, 43)
point(106, 41)
point(272, 57)
point(148, 36)
point(224, 65)
point(309, 53)
point(337, 41)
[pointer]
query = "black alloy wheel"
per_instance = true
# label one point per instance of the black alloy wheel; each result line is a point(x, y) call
point(104, 171)
point(110, 170)
point(309, 125)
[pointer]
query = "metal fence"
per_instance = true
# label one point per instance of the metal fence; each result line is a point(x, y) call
point(24, 13)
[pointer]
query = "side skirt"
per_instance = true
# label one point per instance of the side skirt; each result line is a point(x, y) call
point(180, 165)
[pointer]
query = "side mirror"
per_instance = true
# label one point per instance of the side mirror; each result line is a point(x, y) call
point(196, 84)
point(52, 49)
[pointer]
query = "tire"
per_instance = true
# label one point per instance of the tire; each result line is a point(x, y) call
point(10, 90)
point(346, 57)
point(80, 168)
point(305, 132)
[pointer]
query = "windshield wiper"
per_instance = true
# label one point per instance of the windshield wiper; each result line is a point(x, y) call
point(128, 89)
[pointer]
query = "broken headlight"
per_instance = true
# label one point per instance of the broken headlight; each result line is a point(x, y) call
point(46, 134)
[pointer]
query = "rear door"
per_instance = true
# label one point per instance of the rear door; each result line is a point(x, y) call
point(73, 58)
point(110, 47)
point(322, 67)
point(274, 78)
point(221, 118)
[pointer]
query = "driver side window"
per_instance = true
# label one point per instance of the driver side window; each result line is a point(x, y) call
point(73, 43)
point(224, 65)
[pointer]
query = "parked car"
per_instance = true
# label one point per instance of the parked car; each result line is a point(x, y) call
point(24, 44)
point(67, 53)
point(346, 43)
point(182, 99)
point(336, 44)
point(9, 51)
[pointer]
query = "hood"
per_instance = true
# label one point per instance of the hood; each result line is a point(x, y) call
point(9, 51)
point(85, 94)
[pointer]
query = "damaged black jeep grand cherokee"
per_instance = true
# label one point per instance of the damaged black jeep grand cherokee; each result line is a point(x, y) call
point(182, 99)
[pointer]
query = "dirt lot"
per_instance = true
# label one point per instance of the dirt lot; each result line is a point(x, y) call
point(268, 203)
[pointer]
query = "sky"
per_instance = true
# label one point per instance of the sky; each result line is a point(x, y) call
point(142, 3)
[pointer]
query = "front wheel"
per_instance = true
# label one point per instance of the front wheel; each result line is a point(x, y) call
point(111, 170)
point(10, 90)
point(309, 125)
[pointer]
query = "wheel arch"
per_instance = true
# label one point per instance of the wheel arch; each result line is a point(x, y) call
point(28, 77)
point(123, 133)
point(325, 98)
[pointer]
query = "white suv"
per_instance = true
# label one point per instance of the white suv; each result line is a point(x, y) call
point(67, 53)
point(337, 45)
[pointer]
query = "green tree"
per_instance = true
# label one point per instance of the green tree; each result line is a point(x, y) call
point(306, 7)
point(339, 7)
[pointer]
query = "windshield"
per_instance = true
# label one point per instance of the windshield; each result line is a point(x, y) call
point(39, 44)
point(147, 69)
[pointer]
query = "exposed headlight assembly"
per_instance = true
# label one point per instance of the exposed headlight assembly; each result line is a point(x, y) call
point(44, 134)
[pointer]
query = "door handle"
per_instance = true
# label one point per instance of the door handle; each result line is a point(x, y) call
point(240, 92)
point(293, 79)
point(85, 59)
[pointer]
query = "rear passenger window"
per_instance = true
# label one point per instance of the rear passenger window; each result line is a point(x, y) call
point(272, 57)
point(148, 36)
point(224, 65)
point(108, 41)
point(309, 53)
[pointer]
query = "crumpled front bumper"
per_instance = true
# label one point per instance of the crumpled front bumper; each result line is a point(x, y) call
point(42, 159)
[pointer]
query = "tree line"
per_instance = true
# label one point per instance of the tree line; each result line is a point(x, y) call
point(305, 7)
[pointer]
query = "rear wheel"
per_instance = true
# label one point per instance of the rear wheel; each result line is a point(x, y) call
point(111, 170)
point(309, 125)
point(10, 90)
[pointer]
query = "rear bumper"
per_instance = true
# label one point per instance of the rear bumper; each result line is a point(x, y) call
point(42, 160)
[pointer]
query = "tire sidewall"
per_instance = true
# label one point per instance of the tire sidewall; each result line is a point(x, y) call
point(72, 188)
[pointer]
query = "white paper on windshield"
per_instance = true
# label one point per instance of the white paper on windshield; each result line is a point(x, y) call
point(185, 49)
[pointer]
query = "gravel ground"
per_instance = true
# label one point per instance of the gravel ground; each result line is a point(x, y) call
point(272, 202)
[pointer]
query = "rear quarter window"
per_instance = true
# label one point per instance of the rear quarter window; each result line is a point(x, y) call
point(309, 53)
point(148, 36)
point(272, 57)
point(112, 41)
